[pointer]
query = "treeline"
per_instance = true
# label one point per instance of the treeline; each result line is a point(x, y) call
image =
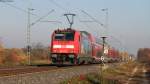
point(16, 56)
point(143, 55)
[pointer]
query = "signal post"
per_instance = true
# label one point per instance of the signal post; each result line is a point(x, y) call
point(102, 59)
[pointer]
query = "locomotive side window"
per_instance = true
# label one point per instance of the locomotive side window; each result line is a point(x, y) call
point(85, 43)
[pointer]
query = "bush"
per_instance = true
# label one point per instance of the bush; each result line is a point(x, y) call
point(1, 54)
point(15, 56)
point(12, 56)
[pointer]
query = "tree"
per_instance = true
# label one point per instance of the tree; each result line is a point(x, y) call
point(144, 55)
point(39, 52)
point(1, 53)
point(15, 56)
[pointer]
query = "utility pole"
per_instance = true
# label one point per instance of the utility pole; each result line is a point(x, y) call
point(29, 25)
point(70, 20)
point(106, 19)
point(104, 42)
point(29, 37)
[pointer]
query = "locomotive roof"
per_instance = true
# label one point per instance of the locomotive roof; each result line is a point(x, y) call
point(64, 30)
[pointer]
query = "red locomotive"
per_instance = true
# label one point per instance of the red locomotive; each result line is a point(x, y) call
point(69, 46)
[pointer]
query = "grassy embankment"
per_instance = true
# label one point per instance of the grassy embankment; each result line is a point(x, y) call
point(110, 75)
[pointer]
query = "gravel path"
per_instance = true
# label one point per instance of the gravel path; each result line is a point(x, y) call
point(49, 77)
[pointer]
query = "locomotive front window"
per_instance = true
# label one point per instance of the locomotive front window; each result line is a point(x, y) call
point(69, 36)
point(59, 36)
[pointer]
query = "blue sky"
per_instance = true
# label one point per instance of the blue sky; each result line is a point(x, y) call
point(129, 21)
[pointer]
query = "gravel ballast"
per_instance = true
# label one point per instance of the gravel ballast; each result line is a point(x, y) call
point(49, 77)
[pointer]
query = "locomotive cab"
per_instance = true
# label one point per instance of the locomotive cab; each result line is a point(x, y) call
point(64, 46)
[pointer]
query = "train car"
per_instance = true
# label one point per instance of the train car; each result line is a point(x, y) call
point(113, 54)
point(69, 46)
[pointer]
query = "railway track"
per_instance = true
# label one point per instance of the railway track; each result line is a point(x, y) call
point(8, 71)
point(11, 71)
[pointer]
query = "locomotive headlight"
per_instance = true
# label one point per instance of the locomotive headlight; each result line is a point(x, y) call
point(69, 46)
point(56, 46)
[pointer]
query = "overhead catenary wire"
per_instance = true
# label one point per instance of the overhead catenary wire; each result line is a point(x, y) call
point(93, 18)
point(38, 20)
point(22, 10)
point(58, 5)
point(6, 0)
point(123, 47)
point(18, 8)
point(52, 21)
point(82, 23)
point(91, 21)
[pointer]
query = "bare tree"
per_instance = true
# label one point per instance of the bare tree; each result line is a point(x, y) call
point(39, 52)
